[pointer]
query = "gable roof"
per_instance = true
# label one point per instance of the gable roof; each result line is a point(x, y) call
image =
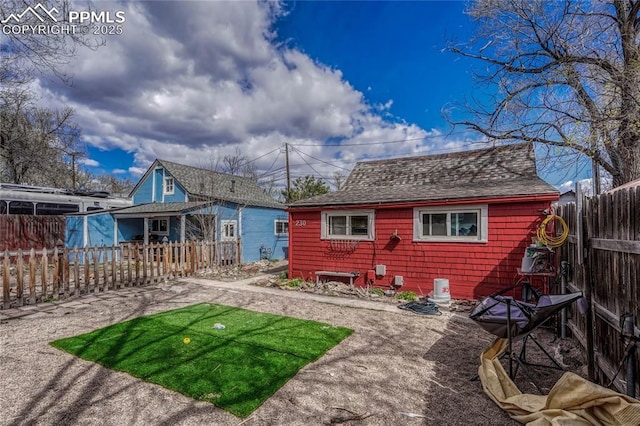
point(503, 171)
point(207, 184)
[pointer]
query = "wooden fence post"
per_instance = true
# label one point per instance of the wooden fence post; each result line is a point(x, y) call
point(6, 284)
point(66, 277)
point(76, 272)
point(20, 279)
point(32, 276)
point(55, 279)
point(85, 257)
point(44, 265)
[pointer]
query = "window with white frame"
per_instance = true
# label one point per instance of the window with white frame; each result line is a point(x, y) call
point(159, 226)
point(348, 224)
point(168, 185)
point(281, 227)
point(463, 224)
point(229, 230)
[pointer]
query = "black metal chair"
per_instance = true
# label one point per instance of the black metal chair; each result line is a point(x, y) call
point(510, 319)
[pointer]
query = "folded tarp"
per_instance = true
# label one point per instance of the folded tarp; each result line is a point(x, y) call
point(572, 400)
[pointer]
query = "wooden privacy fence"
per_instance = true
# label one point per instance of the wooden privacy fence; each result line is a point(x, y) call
point(27, 232)
point(34, 276)
point(603, 251)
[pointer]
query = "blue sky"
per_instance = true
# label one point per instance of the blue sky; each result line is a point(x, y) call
point(340, 82)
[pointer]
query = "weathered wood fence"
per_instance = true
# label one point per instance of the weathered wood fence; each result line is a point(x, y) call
point(603, 251)
point(26, 231)
point(34, 276)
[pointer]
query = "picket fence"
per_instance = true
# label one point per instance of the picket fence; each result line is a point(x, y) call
point(34, 276)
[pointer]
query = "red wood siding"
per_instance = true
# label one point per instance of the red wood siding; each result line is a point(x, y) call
point(473, 269)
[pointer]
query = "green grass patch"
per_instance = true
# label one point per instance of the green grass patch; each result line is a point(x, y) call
point(237, 367)
point(407, 295)
point(294, 283)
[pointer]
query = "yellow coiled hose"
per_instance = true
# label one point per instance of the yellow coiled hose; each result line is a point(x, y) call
point(550, 240)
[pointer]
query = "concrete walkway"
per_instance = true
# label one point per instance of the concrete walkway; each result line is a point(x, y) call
point(245, 285)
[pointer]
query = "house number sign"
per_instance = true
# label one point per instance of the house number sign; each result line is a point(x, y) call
point(301, 223)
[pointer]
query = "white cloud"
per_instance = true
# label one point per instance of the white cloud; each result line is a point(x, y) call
point(191, 81)
point(88, 162)
point(566, 186)
point(118, 171)
point(137, 171)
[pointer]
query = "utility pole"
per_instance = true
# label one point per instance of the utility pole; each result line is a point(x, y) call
point(286, 156)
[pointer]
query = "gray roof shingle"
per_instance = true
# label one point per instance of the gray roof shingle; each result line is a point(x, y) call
point(208, 184)
point(154, 208)
point(502, 171)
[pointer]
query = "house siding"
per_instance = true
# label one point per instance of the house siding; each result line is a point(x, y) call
point(179, 194)
point(473, 269)
point(158, 173)
point(258, 230)
point(144, 192)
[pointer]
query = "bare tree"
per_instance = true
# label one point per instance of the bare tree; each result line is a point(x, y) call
point(25, 54)
point(232, 164)
point(112, 184)
point(339, 179)
point(563, 74)
point(35, 143)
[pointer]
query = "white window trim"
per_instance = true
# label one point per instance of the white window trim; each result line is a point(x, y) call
point(483, 223)
point(224, 237)
point(159, 219)
point(370, 225)
point(164, 185)
point(275, 227)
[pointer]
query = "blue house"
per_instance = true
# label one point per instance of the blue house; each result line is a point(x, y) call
point(178, 203)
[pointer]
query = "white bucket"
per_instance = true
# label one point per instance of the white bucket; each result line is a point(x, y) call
point(527, 264)
point(441, 290)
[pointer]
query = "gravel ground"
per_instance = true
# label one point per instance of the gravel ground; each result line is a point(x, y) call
point(397, 368)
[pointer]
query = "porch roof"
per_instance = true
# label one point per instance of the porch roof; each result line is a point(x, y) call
point(158, 209)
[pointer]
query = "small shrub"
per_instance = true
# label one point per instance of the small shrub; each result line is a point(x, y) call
point(49, 299)
point(294, 283)
point(283, 275)
point(377, 291)
point(407, 295)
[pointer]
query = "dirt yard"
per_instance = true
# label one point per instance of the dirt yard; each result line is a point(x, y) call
point(397, 368)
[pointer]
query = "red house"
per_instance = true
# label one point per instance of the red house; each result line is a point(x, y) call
point(401, 223)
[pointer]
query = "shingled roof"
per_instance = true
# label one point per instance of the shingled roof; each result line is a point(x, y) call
point(502, 171)
point(159, 208)
point(208, 184)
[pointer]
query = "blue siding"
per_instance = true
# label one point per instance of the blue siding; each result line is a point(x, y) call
point(144, 192)
point(258, 230)
point(158, 174)
point(129, 228)
point(178, 196)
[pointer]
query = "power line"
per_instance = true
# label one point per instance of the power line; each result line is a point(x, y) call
point(384, 142)
point(310, 166)
point(322, 161)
